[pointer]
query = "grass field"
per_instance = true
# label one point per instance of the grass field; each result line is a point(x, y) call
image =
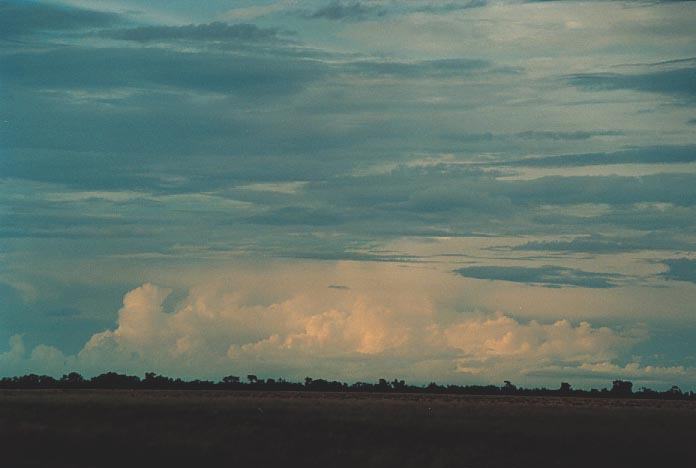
point(103, 428)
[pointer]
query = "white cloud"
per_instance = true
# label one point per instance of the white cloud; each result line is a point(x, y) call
point(42, 359)
point(349, 334)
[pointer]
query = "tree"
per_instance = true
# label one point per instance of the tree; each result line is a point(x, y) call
point(509, 387)
point(398, 384)
point(230, 380)
point(252, 378)
point(622, 387)
point(73, 378)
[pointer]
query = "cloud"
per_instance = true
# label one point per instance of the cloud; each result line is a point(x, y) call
point(603, 371)
point(677, 82)
point(291, 215)
point(563, 136)
point(424, 68)
point(608, 245)
point(105, 68)
point(680, 269)
point(343, 11)
point(548, 276)
point(216, 31)
point(41, 360)
point(448, 7)
point(216, 330)
point(503, 336)
point(675, 188)
point(23, 18)
point(648, 155)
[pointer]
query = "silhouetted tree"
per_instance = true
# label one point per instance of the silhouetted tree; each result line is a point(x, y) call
point(230, 380)
point(114, 380)
point(72, 379)
point(622, 387)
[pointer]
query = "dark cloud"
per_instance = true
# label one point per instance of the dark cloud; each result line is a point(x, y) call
point(677, 82)
point(90, 68)
point(579, 135)
point(424, 68)
point(674, 188)
point(24, 18)
point(439, 7)
point(346, 11)
point(564, 136)
point(680, 269)
point(216, 31)
point(599, 244)
point(547, 276)
point(297, 215)
point(649, 155)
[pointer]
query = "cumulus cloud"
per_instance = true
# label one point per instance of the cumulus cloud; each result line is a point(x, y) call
point(41, 360)
point(217, 330)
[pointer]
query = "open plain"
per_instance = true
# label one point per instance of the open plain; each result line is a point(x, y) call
point(162, 428)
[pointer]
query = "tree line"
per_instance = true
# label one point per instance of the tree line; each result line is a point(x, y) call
point(151, 380)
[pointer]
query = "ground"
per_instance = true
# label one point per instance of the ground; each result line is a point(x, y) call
point(105, 428)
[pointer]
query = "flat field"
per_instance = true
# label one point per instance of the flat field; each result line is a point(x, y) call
point(123, 428)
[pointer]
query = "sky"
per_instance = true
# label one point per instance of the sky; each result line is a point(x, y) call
point(456, 191)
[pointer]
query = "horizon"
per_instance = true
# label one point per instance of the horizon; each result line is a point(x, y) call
point(152, 380)
point(438, 191)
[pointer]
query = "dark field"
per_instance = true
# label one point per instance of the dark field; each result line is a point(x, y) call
point(102, 428)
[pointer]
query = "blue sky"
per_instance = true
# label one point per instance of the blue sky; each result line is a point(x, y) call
point(457, 191)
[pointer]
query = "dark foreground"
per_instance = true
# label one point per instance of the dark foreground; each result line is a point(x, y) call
point(103, 428)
